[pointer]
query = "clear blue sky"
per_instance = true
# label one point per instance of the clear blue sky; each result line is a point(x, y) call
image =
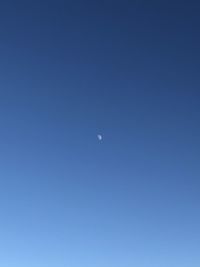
point(70, 70)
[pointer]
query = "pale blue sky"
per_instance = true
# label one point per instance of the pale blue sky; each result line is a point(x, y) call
point(70, 70)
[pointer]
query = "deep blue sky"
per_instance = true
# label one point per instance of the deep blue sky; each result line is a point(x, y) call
point(70, 70)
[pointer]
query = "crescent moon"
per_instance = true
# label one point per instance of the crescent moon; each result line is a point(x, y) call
point(99, 136)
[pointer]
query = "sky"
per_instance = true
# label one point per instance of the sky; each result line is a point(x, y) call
point(129, 71)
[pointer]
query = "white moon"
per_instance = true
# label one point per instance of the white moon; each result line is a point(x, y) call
point(99, 136)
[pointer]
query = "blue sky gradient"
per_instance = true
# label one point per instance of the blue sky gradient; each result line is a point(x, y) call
point(70, 70)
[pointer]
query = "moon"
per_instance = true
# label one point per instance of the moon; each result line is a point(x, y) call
point(100, 137)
